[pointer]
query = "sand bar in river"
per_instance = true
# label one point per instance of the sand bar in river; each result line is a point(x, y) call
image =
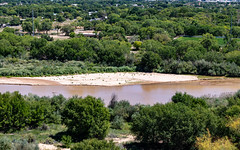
point(99, 79)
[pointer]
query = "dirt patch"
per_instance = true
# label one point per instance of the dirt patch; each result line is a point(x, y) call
point(26, 81)
point(128, 138)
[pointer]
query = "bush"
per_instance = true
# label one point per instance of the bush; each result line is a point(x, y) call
point(175, 125)
point(188, 100)
point(234, 126)
point(24, 145)
point(94, 144)
point(5, 144)
point(86, 118)
point(49, 140)
point(233, 111)
point(47, 37)
point(122, 109)
point(205, 143)
point(233, 56)
point(66, 140)
point(117, 123)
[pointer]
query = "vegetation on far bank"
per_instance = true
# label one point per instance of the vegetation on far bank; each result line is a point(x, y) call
point(118, 30)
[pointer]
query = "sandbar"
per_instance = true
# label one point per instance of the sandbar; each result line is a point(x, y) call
point(100, 79)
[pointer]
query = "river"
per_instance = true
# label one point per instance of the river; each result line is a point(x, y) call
point(143, 94)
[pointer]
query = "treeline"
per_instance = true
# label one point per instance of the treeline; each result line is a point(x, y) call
point(204, 57)
point(116, 20)
point(185, 123)
point(105, 52)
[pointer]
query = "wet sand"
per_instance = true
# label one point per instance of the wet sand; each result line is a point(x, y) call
point(99, 79)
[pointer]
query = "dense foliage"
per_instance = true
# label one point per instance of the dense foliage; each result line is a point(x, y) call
point(86, 118)
point(183, 123)
point(176, 125)
point(165, 37)
point(14, 112)
point(153, 30)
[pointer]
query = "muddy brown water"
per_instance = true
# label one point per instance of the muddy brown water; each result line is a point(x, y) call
point(143, 94)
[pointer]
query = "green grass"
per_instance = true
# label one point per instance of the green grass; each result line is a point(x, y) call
point(219, 40)
point(203, 77)
point(120, 132)
point(39, 135)
point(189, 39)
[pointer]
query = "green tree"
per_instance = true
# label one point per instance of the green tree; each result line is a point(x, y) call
point(208, 41)
point(6, 48)
point(137, 44)
point(163, 38)
point(67, 29)
point(174, 125)
point(9, 30)
point(46, 25)
point(15, 21)
point(36, 47)
point(233, 56)
point(149, 61)
point(60, 18)
point(86, 118)
point(188, 100)
point(27, 26)
point(14, 112)
point(37, 116)
point(3, 21)
point(113, 18)
point(113, 52)
point(58, 27)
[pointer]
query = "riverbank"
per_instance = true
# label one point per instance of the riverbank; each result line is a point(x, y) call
point(99, 79)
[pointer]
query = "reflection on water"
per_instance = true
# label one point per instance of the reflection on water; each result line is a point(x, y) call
point(144, 94)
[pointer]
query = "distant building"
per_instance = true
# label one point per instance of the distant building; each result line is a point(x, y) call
point(221, 1)
point(91, 12)
point(87, 33)
point(2, 4)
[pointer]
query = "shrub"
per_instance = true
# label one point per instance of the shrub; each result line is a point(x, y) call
point(5, 144)
point(86, 118)
point(47, 37)
point(24, 145)
point(188, 100)
point(122, 109)
point(234, 126)
point(44, 127)
point(66, 140)
point(118, 122)
point(205, 143)
point(233, 111)
point(233, 56)
point(94, 144)
point(49, 140)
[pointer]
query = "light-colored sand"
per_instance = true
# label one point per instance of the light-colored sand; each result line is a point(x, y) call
point(100, 79)
point(111, 79)
point(128, 138)
point(50, 147)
